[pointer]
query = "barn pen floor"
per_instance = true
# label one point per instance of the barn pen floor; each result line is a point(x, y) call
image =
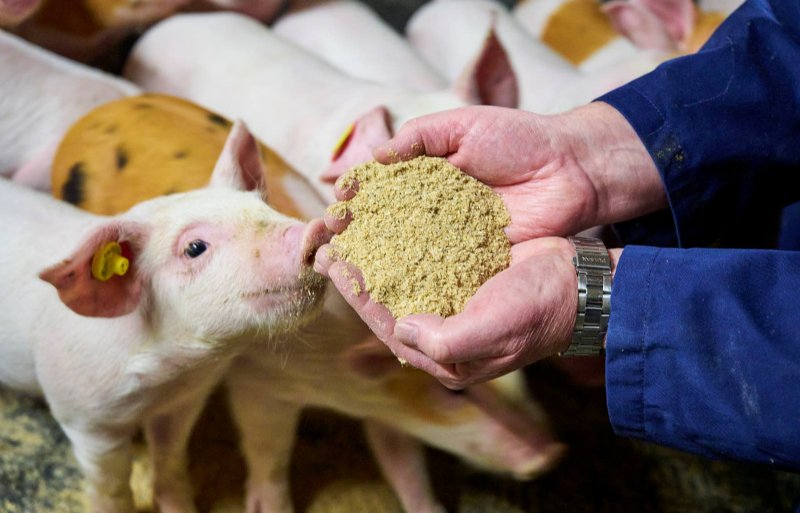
point(333, 471)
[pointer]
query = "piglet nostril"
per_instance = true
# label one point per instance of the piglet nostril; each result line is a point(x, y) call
point(314, 236)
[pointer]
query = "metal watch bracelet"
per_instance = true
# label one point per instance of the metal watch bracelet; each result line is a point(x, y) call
point(593, 267)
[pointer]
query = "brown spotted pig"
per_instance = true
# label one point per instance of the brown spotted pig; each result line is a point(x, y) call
point(107, 161)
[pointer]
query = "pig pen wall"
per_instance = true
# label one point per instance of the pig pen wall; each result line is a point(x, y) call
point(333, 471)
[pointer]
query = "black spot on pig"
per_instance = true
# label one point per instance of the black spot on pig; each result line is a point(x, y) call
point(170, 192)
point(122, 158)
point(182, 154)
point(142, 105)
point(72, 190)
point(111, 128)
point(219, 120)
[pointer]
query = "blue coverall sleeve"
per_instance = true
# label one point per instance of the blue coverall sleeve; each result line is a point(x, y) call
point(703, 352)
point(723, 127)
point(703, 348)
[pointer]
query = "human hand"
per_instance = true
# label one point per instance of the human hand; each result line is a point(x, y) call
point(520, 315)
point(557, 175)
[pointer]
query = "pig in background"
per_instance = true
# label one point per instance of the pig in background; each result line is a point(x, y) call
point(594, 35)
point(446, 32)
point(354, 39)
point(41, 96)
point(320, 120)
point(93, 30)
point(136, 148)
point(210, 271)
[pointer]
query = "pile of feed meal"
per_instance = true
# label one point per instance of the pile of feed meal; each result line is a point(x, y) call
point(424, 234)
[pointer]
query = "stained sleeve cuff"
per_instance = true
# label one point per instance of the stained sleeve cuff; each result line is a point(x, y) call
point(626, 341)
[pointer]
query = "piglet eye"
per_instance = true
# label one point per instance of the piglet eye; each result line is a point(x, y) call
point(195, 248)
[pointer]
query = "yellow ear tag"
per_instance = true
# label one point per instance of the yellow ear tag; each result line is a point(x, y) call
point(108, 261)
point(342, 142)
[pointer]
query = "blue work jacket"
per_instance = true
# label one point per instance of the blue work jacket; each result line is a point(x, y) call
point(703, 347)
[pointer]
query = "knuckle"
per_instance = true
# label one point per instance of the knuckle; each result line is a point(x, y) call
point(438, 347)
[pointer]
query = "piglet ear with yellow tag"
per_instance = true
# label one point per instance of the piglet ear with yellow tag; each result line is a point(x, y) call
point(108, 262)
point(355, 145)
point(99, 278)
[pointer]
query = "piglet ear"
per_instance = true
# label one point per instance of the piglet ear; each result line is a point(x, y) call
point(355, 145)
point(489, 79)
point(239, 165)
point(653, 24)
point(85, 294)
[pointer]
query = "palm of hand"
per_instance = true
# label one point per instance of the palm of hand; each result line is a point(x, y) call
point(529, 308)
point(516, 154)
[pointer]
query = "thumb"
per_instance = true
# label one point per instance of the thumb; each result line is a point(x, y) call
point(436, 135)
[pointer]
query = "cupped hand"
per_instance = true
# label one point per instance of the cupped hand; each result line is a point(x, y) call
point(520, 315)
point(557, 175)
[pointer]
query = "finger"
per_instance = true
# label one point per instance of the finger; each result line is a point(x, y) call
point(449, 340)
point(445, 373)
point(350, 283)
point(345, 187)
point(459, 375)
point(437, 135)
point(325, 257)
point(337, 217)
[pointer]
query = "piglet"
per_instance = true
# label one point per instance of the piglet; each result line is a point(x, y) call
point(353, 38)
point(446, 32)
point(139, 147)
point(496, 426)
point(577, 29)
point(677, 26)
point(320, 120)
point(594, 36)
point(93, 30)
point(208, 272)
point(42, 95)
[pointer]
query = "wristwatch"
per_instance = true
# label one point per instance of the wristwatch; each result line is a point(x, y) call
point(593, 268)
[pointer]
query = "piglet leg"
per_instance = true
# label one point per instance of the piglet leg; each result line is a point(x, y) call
point(106, 462)
point(167, 437)
point(402, 460)
point(267, 429)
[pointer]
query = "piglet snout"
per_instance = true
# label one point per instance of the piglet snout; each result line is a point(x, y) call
point(309, 238)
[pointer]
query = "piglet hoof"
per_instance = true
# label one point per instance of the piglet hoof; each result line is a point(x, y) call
point(267, 499)
point(547, 458)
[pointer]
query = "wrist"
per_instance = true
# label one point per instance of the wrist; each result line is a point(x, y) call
point(594, 265)
point(626, 182)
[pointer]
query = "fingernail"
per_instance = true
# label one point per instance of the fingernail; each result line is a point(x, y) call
point(406, 333)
